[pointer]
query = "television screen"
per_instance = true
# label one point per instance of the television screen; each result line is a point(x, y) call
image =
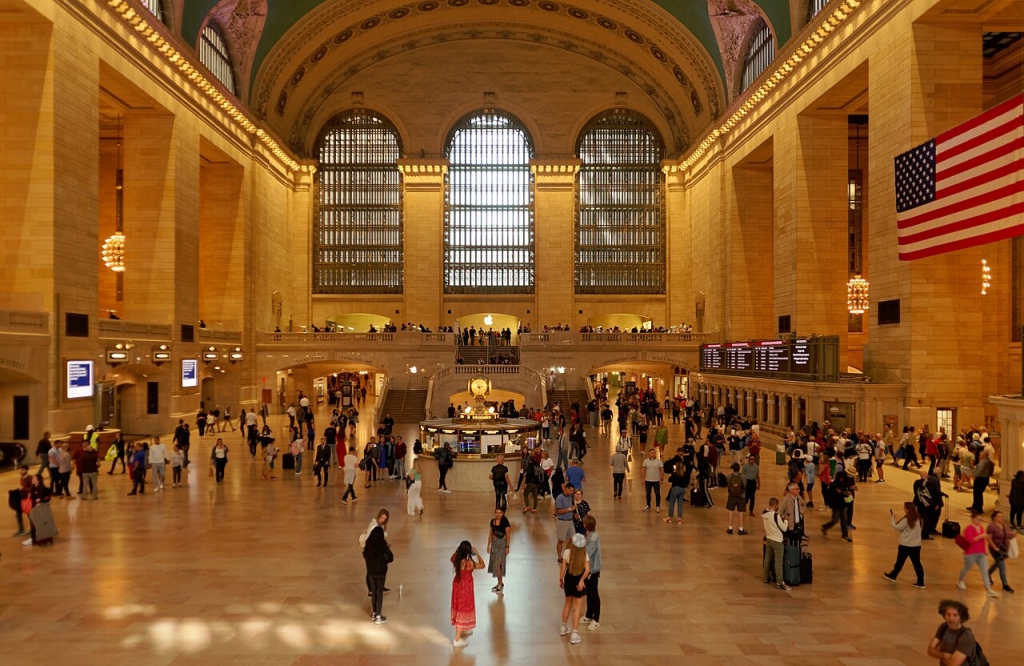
point(79, 379)
point(189, 372)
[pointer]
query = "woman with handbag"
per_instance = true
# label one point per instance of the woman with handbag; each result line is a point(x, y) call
point(219, 459)
point(999, 537)
point(377, 555)
point(973, 542)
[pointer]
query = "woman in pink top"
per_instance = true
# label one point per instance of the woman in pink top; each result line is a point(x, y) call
point(975, 554)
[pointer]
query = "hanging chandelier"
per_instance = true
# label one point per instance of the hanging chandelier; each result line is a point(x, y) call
point(857, 295)
point(986, 277)
point(113, 252)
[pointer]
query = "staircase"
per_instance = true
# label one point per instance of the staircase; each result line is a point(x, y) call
point(405, 406)
point(568, 396)
point(471, 355)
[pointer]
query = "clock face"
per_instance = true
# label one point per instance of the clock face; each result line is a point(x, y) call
point(478, 386)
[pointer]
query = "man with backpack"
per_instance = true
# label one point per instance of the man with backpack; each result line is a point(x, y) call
point(737, 500)
point(953, 643)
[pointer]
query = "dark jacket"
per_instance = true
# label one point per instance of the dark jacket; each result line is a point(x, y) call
point(377, 553)
point(1017, 492)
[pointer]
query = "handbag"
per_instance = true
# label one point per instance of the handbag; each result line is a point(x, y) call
point(1013, 550)
point(962, 541)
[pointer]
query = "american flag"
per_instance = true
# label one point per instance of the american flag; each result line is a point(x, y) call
point(964, 187)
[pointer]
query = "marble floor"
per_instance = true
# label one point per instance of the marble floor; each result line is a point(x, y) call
point(269, 573)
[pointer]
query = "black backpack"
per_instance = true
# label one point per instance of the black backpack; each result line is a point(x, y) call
point(978, 658)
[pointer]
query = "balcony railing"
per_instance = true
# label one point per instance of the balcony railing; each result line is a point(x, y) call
point(22, 321)
point(324, 337)
point(212, 335)
point(133, 330)
point(558, 338)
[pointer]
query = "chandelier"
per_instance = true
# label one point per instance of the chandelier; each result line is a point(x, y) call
point(113, 252)
point(986, 277)
point(857, 295)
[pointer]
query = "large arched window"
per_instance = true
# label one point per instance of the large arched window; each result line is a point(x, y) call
point(213, 53)
point(357, 232)
point(488, 229)
point(760, 54)
point(620, 220)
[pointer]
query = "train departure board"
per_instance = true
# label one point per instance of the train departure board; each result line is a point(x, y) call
point(812, 358)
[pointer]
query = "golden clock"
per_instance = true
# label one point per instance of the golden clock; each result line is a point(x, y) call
point(479, 386)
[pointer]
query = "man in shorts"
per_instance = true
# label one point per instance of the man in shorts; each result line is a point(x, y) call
point(564, 528)
point(737, 500)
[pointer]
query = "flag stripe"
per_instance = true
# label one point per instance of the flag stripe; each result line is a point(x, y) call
point(963, 243)
point(943, 172)
point(1012, 105)
point(945, 151)
point(964, 204)
point(977, 167)
point(1014, 208)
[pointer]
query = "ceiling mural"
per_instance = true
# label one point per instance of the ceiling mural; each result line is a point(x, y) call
point(732, 21)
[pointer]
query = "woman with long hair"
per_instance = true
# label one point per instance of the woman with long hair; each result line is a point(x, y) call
point(909, 527)
point(999, 536)
point(377, 555)
point(465, 560)
point(219, 459)
point(974, 553)
point(499, 541)
point(574, 571)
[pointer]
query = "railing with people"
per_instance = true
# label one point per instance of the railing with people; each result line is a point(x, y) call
point(556, 338)
point(119, 328)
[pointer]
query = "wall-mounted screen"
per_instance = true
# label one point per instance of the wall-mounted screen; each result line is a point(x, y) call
point(189, 372)
point(79, 384)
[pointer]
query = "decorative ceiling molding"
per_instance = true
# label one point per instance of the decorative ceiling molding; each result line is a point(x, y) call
point(242, 22)
point(732, 20)
point(268, 85)
point(308, 108)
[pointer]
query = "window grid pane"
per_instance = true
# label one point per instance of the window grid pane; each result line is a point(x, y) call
point(814, 7)
point(760, 54)
point(488, 231)
point(358, 235)
point(213, 53)
point(155, 8)
point(620, 221)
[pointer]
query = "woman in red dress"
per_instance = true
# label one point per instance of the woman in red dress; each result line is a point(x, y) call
point(463, 599)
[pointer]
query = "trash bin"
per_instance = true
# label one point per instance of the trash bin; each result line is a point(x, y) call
point(780, 455)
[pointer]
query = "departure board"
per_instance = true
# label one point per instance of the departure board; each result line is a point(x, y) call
point(809, 359)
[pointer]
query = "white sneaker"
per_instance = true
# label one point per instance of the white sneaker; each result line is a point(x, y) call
point(562, 631)
point(593, 626)
point(585, 620)
point(447, 492)
point(992, 593)
point(28, 542)
point(462, 642)
point(658, 510)
point(962, 585)
point(575, 638)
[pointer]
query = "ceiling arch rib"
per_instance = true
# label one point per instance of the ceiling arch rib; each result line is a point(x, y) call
point(319, 100)
point(659, 42)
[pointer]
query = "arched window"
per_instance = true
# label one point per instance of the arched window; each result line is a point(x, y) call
point(155, 7)
point(357, 232)
point(488, 228)
point(620, 219)
point(213, 52)
point(760, 54)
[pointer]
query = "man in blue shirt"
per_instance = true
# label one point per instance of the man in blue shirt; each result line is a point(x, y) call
point(563, 514)
point(575, 474)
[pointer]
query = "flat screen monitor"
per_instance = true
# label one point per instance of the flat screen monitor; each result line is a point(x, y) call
point(189, 372)
point(79, 383)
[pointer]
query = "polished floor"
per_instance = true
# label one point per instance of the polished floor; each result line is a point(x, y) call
point(269, 573)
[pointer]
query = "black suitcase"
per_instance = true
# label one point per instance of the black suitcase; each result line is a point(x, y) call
point(950, 528)
point(791, 565)
point(806, 568)
point(723, 481)
point(287, 461)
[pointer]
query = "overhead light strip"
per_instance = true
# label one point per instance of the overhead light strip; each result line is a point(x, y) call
point(810, 45)
point(181, 61)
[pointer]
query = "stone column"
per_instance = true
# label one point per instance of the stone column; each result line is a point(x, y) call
point(772, 412)
point(423, 186)
point(555, 242)
point(223, 248)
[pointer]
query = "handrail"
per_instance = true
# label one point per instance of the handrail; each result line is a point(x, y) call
point(119, 328)
point(378, 404)
point(571, 338)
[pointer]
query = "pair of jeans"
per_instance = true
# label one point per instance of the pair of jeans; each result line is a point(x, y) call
point(531, 491)
point(838, 516)
point(375, 583)
point(90, 480)
point(593, 596)
point(400, 468)
point(219, 464)
point(914, 553)
point(980, 484)
point(298, 462)
point(617, 479)
point(159, 474)
point(752, 493)
point(500, 501)
point(656, 487)
point(176, 475)
point(442, 470)
point(113, 463)
point(138, 480)
point(349, 491)
point(675, 500)
point(979, 560)
point(772, 564)
point(999, 563)
point(1016, 514)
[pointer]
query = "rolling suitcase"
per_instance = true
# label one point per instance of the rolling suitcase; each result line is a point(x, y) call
point(42, 521)
point(806, 568)
point(950, 528)
point(287, 461)
point(791, 564)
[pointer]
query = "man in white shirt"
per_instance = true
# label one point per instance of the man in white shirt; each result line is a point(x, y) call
point(654, 475)
point(157, 462)
point(774, 531)
point(792, 509)
point(351, 466)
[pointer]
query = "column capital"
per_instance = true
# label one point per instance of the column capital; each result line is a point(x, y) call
point(423, 174)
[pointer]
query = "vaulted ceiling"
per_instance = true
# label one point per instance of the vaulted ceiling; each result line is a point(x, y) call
point(300, 61)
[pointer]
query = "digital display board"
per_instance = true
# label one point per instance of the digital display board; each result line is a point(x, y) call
point(805, 359)
point(189, 372)
point(79, 379)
